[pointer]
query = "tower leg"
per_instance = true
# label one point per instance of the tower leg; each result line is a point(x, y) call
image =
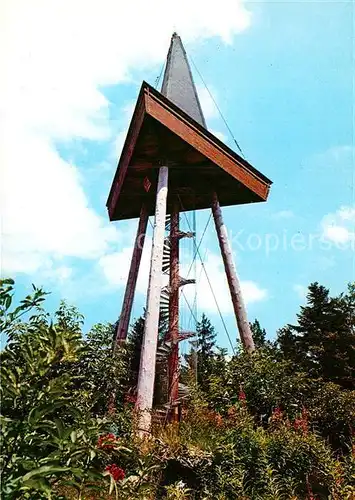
point(122, 328)
point(150, 338)
point(233, 281)
point(173, 363)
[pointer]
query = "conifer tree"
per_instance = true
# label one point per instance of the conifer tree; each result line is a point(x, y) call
point(206, 341)
point(259, 334)
point(323, 341)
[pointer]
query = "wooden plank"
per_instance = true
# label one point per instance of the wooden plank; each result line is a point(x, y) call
point(232, 278)
point(150, 337)
point(126, 155)
point(174, 282)
point(202, 143)
point(185, 142)
point(173, 108)
point(125, 316)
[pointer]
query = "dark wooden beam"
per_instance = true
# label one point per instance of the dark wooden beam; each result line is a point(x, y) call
point(126, 155)
point(125, 316)
point(174, 282)
point(161, 130)
point(232, 278)
point(202, 142)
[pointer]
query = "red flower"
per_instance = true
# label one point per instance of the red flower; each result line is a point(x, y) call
point(340, 479)
point(107, 441)
point(242, 396)
point(277, 413)
point(301, 424)
point(116, 472)
point(232, 412)
point(213, 417)
point(218, 420)
point(129, 398)
point(277, 416)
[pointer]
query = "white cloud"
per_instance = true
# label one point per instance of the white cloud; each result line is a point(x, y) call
point(209, 108)
point(337, 234)
point(124, 119)
point(252, 292)
point(119, 142)
point(339, 227)
point(116, 265)
point(337, 157)
point(301, 291)
point(283, 214)
point(45, 213)
point(61, 273)
point(219, 134)
point(213, 264)
point(55, 59)
point(347, 214)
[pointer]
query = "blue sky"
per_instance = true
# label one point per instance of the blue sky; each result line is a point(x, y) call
point(282, 74)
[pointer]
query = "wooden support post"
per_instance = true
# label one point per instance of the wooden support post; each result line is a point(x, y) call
point(122, 328)
point(150, 338)
point(233, 281)
point(173, 334)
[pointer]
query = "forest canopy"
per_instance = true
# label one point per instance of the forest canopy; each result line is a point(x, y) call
point(274, 424)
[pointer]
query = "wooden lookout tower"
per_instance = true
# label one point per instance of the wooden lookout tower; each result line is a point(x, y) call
point(171, 163)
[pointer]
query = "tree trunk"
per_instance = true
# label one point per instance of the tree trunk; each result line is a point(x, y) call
point(173, 363)
point(150, 338)
point(125, 316)
point(233, 281)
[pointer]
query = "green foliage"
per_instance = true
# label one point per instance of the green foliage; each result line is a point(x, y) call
point(274, 425)
point(132, 355)
point(200, 361)
point(49, 438)
point(206, 337)
point(102, 372)
point(44, 436)
point(323, 342)
point(134, 347)
point(269, 382)
point(259, 334)
point(177, 491)
point(10, 323)
point(229, 457)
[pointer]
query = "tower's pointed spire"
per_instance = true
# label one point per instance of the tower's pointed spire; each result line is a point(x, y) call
point(178, 84)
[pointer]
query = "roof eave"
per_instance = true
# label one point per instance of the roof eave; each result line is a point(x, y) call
point(140, 111)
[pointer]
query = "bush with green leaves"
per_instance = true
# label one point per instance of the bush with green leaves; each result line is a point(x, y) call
point(231, 457)
point(322, 343)
point(271, 382)
point(49, 431)
point(259, 426)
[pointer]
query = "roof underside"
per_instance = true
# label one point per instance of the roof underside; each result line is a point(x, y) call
point(199, 164)
point(169, 128)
